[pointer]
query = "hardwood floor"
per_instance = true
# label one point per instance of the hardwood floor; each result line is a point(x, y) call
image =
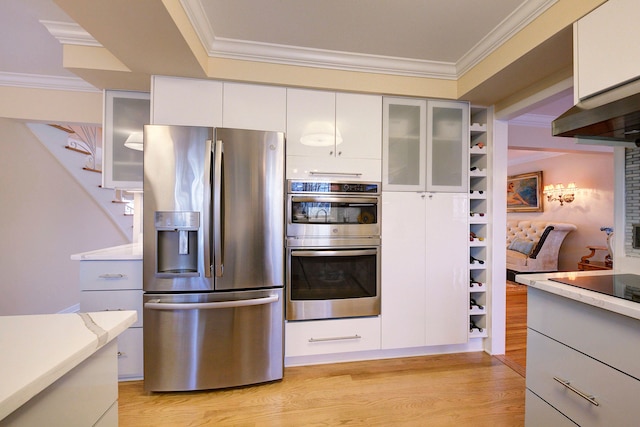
point(443, 390)
point(516, 328)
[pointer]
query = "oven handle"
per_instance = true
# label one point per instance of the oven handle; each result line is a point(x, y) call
point(316, 253)
point(321, 199)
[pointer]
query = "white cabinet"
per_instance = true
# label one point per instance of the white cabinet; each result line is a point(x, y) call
point(603, 52)
point(580, 362)
point(124, 116)
point(333, 135)
point(247, 106)
point(305, 338)
point(404, 144)
point(424, 269)
point(447, 146)
point(117, 285)
point(425, 145)
point(187, 102)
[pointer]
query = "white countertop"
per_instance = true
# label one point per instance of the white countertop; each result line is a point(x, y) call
point(39, 349)
point(131, 251)
point(606, 302)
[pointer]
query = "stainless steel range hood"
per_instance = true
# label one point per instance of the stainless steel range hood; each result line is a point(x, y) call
point(609, 118)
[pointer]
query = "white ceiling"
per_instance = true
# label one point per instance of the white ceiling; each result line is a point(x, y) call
point(430, 33)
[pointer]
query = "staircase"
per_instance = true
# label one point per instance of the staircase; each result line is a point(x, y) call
point(78, 149)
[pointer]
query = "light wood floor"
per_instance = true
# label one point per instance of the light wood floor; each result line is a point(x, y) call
point(516, 329)
point(471, 389)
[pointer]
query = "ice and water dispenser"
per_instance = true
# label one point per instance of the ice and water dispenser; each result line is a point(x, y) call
point(177, 243)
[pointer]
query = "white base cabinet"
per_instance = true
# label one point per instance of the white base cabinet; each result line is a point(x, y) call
point(424, 269)
point(117, 285)
point(580, 363)
point(313, 337)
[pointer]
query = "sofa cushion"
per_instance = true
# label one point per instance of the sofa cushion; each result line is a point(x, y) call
point(517, 260)
point(524, 246)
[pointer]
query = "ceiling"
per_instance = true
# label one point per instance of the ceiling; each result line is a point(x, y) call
point(441, 38)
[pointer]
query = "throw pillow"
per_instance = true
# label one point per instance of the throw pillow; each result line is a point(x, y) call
point(521, 245)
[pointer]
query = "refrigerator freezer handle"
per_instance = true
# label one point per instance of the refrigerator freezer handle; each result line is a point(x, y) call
point(207, 211)
point(217, 209)
point(156, 305)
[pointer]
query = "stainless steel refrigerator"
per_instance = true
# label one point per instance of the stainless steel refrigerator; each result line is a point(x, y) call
point(213, 265)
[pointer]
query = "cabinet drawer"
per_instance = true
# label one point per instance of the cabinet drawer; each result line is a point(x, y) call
point(302, 167)
point(615, 392)
point(130, 354)
point(112, 301)
point(539, 413)
point(106, 275)
point(332, 336)
point(601, 334)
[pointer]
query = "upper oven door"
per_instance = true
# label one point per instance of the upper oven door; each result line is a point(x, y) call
point(333, 216)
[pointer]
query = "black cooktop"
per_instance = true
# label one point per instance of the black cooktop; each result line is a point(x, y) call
point(625, 286)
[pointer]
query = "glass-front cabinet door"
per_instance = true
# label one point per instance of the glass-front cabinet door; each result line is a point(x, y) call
point(447, 146)
point(404, 144)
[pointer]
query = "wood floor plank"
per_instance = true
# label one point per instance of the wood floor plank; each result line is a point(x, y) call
point(442, 390)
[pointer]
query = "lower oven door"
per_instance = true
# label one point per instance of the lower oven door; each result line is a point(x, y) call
point(333, 282)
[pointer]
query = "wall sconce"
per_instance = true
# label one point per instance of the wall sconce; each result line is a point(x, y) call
point(134, 141)
point(559, 193)
point(321, 134)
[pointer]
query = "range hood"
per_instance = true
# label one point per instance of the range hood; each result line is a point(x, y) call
point(609, 118)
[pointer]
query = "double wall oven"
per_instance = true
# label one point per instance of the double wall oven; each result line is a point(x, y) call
point(333, 249)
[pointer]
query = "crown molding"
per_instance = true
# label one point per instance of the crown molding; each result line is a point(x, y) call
point(70, 33)
point(38, 81)
point(516, 21)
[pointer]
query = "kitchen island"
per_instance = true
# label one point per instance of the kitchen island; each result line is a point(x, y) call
point(60, 369)
point(582, 348)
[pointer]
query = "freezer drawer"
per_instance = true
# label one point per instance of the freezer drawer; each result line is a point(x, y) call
point(212, 340)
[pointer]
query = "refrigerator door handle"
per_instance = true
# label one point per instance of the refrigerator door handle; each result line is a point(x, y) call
point(207, 211)
point(155, 304)
point(217, 209)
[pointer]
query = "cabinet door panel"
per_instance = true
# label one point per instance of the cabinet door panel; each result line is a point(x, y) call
point(112, 301)
point(447, 146)
point(254, 107)
point(447, 283)
point(359, 120)
point(403, 270)
point(187, 102)
point(404, 144)
point(311, 117)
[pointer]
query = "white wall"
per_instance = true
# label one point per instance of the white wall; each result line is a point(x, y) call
point(592, 209)
point(45, 217)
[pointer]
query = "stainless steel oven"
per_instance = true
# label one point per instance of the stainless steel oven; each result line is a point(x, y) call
point(332, 278)
point(333, 209)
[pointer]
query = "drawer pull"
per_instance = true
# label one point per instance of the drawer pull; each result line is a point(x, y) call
point(588, 397)
point(113, 276)
point(352, 337)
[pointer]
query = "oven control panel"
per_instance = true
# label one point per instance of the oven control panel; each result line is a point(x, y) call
point(336, 187)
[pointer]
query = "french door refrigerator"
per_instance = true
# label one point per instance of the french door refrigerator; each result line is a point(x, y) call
point(213, 263)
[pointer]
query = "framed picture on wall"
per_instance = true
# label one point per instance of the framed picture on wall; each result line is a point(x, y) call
point(524, 192)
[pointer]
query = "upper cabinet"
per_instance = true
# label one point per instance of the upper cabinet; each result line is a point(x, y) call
point(404, 144)
point(247, 106)
point(187, 102)
point(603, 53)
point(447, 146)
point(333, 135)
point(425, 145)
point(124, 116)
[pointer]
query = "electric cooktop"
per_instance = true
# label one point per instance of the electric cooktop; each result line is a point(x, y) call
point(625, 286)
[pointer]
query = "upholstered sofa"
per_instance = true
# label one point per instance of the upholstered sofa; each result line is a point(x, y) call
point(533, 246)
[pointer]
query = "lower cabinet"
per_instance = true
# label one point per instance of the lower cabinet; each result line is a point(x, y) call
point(573, 371)
point(312, 337)
point(117, 285)
point(424, 269)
